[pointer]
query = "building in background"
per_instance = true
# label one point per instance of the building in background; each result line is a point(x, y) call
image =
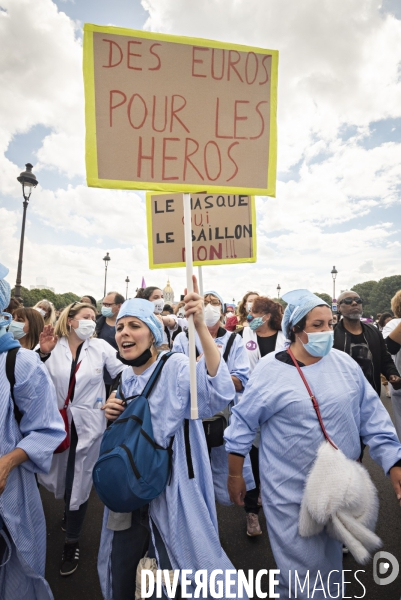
point(41, 284)
point(168, 293)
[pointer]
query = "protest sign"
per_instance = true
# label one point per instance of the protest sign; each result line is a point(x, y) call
point(223, 228)
point(179, 114)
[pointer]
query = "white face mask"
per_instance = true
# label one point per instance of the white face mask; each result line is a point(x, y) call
point(212, 315)
point(17, 329)
point(41, 311)
point(159, 305)
point(85, 329)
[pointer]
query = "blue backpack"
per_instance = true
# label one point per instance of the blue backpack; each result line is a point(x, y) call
point(132, 469)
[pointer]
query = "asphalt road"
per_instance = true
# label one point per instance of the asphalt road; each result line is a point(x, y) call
point(246, 553)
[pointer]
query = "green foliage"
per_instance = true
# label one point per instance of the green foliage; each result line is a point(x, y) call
point(376, 295)
point(380, 298)
point(325, 297)
point(32, 297)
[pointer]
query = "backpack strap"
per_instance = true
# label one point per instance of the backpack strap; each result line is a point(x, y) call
point(191, 474)
point(10, 372)
point(153, 378)
point(168, 334)
point(229, 346)
point(196, 348)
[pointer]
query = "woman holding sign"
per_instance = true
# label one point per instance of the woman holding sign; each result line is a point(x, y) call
point(234, 354)
point(183, 519)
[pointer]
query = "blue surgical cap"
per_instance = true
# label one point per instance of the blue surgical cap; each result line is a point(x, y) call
point(5, 289)
point(143, 310)
point(299, 303)
point(217, 296)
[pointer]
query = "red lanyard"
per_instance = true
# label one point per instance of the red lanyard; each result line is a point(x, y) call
point(313, 398)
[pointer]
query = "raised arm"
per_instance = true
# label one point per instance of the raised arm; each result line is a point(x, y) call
point(194, 306)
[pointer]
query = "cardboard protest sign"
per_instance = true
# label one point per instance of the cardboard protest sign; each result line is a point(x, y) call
point(223, 229)
point(179, 114)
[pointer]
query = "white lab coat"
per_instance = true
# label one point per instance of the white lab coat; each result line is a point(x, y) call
point(250, 339)
point(90, 422)
point(395, 394)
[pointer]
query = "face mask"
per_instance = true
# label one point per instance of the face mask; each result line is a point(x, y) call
point(107, 311)
point(256, 323)
point(159, 305)
point(319, 344)
point(248, 306)
point(17, 329)
point(85, 329)
point(41, 311)
point(212, 315)
point(4, 322)
point(138, 361)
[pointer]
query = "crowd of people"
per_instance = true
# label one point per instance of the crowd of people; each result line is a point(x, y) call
point(269, 418)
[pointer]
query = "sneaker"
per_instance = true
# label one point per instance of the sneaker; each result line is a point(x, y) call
point(252, 525)
point(70, 558)
point(64, 522)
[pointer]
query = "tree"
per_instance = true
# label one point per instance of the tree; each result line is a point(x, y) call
point(325, 297)
point(32, 297)
point(380, 298)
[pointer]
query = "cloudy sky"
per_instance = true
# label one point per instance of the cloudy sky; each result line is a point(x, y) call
point(339, 156)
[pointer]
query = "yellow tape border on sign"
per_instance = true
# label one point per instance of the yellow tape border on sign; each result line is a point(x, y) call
point(90, 116)
point(196, 263)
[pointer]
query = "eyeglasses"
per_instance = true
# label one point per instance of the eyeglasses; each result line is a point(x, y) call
point(351, 300)
point(108, 305)
point(212, 302)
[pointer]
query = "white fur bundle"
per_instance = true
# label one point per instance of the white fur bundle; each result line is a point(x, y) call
point(340, 495)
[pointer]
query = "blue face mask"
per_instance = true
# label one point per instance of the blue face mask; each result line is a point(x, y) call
point(107, 311)
point(319, 344)
point(256, 323)
point(4, 323)
point(17, 329)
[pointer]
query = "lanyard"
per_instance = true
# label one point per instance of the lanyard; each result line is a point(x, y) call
point(313, 398)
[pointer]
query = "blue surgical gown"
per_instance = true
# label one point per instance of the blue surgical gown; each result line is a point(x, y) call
point(238, 365)
point(185, 513)
point(39, 433)
point(290, 438)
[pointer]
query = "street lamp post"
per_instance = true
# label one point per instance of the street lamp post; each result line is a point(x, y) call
point(28, 181)
point(278, 291)
point(334, 275)
point(126, 289)
point(106, 264)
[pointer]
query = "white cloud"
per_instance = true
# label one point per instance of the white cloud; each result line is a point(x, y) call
point(339, 61)
point(40, 69)
point(339, 66)
point(88, 212)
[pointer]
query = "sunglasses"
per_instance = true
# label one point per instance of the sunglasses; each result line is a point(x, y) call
point(351, 300)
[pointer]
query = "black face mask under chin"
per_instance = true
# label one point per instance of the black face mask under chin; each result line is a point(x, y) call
point(138, 361)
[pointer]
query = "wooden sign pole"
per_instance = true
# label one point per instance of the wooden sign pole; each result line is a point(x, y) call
point(190, 288)
point(200, 281)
